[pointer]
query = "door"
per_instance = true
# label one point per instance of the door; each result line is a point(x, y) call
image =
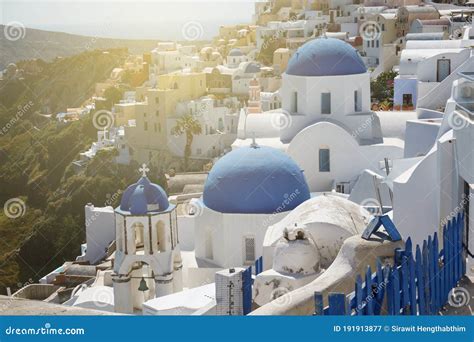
point(407, 100)
point(444, 69)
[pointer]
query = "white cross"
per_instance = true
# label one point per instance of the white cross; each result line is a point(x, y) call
point(144, 170)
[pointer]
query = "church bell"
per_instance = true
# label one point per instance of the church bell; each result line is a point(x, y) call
point(143, 286)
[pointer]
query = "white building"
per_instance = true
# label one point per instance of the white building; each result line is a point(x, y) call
point(218, 120)
point(242, 77)
point(165, 58)
point(434, 187)
point(100, 232)
point(427, 70)
point(235, 57)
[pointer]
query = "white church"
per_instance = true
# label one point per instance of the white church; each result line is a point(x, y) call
point(325, 122)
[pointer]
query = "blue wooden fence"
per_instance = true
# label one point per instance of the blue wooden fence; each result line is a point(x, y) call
point(259, 266)
point(418, 283)
point(247, 283)
point(247, 290)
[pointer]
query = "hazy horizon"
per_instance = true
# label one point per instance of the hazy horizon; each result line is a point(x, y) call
point(127, 19)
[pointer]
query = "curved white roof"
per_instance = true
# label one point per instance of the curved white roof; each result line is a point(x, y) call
point(329, 218)
point(182, 303)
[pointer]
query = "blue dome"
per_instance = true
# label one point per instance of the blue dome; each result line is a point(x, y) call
point(259, 180)
point(252, 68)
point(236, 52)
point(144, 197)
point(325, 57)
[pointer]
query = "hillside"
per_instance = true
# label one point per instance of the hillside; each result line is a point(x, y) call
point(47, 45)
point(35, 165)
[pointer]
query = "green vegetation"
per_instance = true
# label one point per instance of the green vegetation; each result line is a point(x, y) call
point(112, 96)
point(382, 89)
point(269, 46)
point(189, 126)
point(36, 155)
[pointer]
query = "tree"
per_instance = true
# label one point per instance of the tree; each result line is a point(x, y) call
point(269, 46)
point(112, 96)
point(382, 86)
point(188, 125)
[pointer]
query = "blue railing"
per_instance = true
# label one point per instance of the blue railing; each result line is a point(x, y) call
point(247, 283)
point(417, 284)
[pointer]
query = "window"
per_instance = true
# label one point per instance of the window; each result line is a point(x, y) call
point(357, 101)
point(249, 249)
point(161, 236)
point(294, 102)
point(324, 160)
point(145, 126)
point(157, 100)
point(144, 115)
point(159, 128)
point(377, 43)
point(198, 151)
point(325, 103)
point(383, 27)
point(157, 113)
point(407, 99)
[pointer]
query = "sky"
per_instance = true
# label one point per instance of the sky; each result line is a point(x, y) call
point(142, 19)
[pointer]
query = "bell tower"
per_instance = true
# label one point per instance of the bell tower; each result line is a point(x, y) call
point(254, 104)
point(147, 259)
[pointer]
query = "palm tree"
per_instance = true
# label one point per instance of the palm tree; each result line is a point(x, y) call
point(188, 125)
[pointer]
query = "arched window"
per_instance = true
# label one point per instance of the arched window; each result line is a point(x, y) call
point(138, 232)
point(161, 234)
